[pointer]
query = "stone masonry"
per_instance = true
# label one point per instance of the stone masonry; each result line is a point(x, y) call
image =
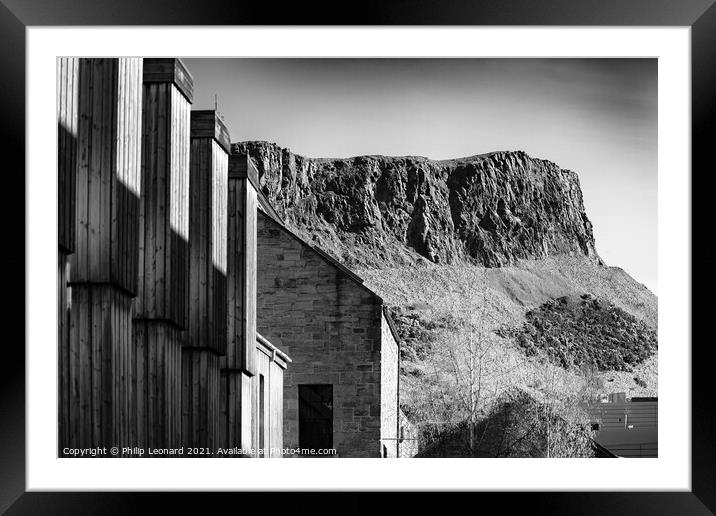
point(334, 329)
point(389, 390)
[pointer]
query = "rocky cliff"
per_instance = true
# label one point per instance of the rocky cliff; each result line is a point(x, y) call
point(492, 209)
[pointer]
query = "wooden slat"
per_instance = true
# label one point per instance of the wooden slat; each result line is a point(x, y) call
point(163, 240)
point(64, 357)
point(96, 364)
point(241, 267)
point(207, 236)
point(230, 408)
point(218, 243)
point(255, 409)
point(246, 437)
point(235, 279)
point(107, 186)
point(275, 409)
point(249, 288)
point(67, 117)
point(157, 372)
point(98, 377)
point(200, 398)
point(263, 369)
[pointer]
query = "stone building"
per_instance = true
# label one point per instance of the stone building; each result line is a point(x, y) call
point(341, 391)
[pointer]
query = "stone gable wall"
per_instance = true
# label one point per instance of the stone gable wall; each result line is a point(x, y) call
point(331, 327)
point(389, 391)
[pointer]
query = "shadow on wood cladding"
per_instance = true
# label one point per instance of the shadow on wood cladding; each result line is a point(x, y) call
point(67, 119)
point(160, 308)
point(205, 338)
point(206, 326)
point(164, 208)
point(100, 279)
point(108, 180)
point(238, 366)
point(156, 268)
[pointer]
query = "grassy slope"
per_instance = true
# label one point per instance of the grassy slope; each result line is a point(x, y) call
point(432, 292)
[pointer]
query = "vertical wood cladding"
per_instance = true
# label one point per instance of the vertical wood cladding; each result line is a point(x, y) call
point(96, 357)
point(109, 173)
point(268, 424)
point(239, 411)
point(275, 409)
point(230, 392)
point(169, 69)
point(160, 308)
point(207, 235)
point(99, 367)
point(239, 364)
point(247, 437)
point(331, 327)
point(67, 110)
point(241, 267)
point(262, 409)
point(250, 421)
point(157, 384)
point(63, 342)
point(67, 121)
point(147, 209)
point(205, 338)
point(201, 412)
point(164, 206)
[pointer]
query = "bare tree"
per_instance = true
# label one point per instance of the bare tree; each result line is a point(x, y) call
point(565, 424)
point(476, 368)
point(473, 395)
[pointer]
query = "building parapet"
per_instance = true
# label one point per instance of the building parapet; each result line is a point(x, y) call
point(276, 355)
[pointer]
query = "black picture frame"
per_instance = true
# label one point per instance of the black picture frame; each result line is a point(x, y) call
point(700, 15)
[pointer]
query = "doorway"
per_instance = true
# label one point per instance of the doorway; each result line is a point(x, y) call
point(315, 416)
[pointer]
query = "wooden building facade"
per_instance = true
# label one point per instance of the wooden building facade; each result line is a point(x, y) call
point(157, 342)
point(99, 142)
point(161, 303)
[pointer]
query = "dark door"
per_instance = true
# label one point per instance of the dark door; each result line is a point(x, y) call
point(315, 416)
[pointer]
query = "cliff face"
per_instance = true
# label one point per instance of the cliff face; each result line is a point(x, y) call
point(492, 209)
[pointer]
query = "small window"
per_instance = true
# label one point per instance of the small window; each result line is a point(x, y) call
point(595, 426)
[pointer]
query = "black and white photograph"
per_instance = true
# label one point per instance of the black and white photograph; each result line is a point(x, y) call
point(357, 257)
point(463, 239)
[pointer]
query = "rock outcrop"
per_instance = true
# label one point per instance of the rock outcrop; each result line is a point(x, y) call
point(492, 209)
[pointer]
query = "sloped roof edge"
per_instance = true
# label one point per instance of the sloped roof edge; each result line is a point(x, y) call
point(267, 207)
point(325, 256)
point(391, 325)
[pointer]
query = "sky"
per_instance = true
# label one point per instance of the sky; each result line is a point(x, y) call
point(597, 117)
